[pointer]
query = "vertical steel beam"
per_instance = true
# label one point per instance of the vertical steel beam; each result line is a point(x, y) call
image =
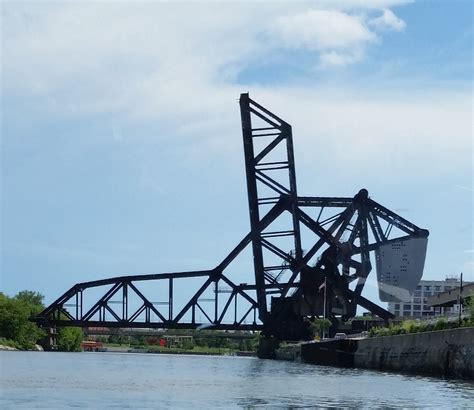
point(253, 204)
point(293, 191)
point(170, 299)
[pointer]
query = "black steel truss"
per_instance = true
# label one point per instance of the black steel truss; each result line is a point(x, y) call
point(338, 235)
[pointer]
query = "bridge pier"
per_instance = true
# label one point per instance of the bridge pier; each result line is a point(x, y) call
point(267, 347)
point(50, 341)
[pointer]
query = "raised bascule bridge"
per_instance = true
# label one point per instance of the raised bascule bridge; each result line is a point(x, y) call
point(310, 258)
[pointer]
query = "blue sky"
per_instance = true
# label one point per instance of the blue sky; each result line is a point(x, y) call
point(121, 141)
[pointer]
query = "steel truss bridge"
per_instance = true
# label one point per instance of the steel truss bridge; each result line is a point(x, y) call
point(303, 248)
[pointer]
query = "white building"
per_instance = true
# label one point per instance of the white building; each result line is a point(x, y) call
point(417, 306)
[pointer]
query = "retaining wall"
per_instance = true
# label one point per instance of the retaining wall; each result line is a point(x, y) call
point(448, 353)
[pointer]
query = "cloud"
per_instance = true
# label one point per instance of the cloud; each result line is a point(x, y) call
point(322, 30)
point(388, 21)
point(334, 58)
point(175, 66)
point(110, 57)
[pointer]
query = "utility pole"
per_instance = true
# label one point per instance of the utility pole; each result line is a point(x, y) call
point(324, 307)
point(460, 302)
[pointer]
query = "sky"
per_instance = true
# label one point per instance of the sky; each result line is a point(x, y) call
point(120, 127)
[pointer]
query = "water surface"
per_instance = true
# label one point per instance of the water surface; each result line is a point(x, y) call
point(109, 380)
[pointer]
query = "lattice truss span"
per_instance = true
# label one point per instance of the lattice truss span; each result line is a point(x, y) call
point(302, 247)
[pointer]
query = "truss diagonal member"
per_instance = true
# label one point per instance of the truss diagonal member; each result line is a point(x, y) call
point(47, 312)
point(147, 303)
point(66, 313)
point(396, 220)
point(271, 215)
point(95, 308)
point(195, 298)
point(137, 313)
point(375, 227)
point(269, 148)
point(226, 306)
point(277, 251)
point(325, 237)
point(204, 313)
point(112, 313)
point(271, 183)
point(370, 306)
point(245, 315)
point(238, 290)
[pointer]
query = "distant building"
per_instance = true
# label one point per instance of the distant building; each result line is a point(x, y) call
point(418, 305)
point(450, 298)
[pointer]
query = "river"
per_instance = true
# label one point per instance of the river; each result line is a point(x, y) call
point(150, 381)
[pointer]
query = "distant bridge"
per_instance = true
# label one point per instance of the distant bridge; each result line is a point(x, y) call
point(237, 335)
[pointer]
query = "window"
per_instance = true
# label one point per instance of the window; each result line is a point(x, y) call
point(427, 287)
point(416, 300)
point(417, 307)
point(418, 287)
point(406, 307)
point(396, 313)
point(437, 288)
point(416, 313)
point(417, 293)
point(397, 306)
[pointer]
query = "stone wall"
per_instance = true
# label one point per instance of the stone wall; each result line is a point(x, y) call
point(448, 353)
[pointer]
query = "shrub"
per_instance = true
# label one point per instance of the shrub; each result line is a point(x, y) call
point(440, 324)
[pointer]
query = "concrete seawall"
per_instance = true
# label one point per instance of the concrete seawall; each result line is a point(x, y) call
point(445, 353)
point(448, 353)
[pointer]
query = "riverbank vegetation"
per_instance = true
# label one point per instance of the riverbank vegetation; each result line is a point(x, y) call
point(185, 341)
point(418, 326)
point(16, 329)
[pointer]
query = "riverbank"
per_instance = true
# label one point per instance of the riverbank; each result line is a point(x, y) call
point(444, 353)
point(164, 350)
point(8, 348)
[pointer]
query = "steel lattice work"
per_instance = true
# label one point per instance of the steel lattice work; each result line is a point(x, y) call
point(300, 245)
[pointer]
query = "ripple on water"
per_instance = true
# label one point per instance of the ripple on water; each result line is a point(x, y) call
point(105, 380)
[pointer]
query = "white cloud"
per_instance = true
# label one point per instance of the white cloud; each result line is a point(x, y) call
point(105, 56)
point(322, 30)
point(388, 21)
point(334, 58)
point(174, 64)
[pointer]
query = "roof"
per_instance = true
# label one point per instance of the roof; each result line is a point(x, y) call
point(450, 297)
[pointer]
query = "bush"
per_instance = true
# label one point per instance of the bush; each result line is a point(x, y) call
point(69, 339)
point(440, 324)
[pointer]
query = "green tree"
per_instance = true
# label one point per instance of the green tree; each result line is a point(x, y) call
point(31, 298)
point(470, 306)
point(14, 318)
point(69, 339)
point(317, 326)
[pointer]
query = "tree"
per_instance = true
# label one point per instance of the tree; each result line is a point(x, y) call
point(318, 326)
point(69, 339)
point(14, 318)
point(470, 306)
point(30, 298)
